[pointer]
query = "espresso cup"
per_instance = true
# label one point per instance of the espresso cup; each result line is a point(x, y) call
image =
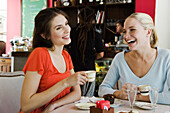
point(144, 89)
point(91, 75)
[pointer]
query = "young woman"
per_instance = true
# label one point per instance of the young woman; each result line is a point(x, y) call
point(50, 80)
point(143, 64)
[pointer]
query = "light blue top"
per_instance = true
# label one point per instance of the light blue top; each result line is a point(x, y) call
point(157, 77)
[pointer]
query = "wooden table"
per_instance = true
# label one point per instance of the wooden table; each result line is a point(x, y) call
point(71, 108)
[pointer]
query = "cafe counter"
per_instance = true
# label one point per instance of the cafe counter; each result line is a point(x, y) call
point(20, 58)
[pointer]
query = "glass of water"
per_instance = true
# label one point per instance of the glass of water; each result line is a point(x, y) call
point(132, 91)
point(153, 95)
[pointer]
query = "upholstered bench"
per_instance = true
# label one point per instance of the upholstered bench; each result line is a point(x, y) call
point(10, 91)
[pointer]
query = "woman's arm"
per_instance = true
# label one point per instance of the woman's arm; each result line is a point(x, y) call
point(99, 46)
point(164, 97)
point(74, 95)
point(110, 80)
point(30, 100)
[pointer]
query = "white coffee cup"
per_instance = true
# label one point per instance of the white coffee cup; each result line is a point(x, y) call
point(144, 89)
point(91, 75)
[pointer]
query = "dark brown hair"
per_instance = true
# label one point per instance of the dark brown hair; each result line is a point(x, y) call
point(121, 22)
point(42, 23)
point(86, 17)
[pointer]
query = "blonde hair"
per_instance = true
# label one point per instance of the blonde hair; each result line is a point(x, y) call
point(147, 22)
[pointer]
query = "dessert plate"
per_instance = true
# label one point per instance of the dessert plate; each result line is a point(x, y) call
point(144, 105)
point(123, 111)
point(84, 106)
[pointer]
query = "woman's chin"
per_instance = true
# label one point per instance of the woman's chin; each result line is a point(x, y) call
point(67, 42)
point(132, 48)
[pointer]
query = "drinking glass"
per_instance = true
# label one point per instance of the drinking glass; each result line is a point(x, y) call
point(132, 91)
point(153, 95)
point(88, 86)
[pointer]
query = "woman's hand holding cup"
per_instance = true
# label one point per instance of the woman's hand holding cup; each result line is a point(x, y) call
point(78, 78)
point(91, 75)
point(122, 94)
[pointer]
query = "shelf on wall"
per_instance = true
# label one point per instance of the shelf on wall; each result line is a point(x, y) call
point(119, 3)
point(20, 53)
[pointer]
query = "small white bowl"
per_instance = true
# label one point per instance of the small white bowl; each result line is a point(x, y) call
point(4, 55)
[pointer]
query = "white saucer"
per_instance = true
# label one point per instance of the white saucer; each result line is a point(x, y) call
point(84, 106)
point(144, 105)
point(123, 111)
point(117, 103)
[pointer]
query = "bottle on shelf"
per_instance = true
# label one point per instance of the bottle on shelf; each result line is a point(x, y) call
point(81, 2)
point(97, 1)
point(123, 1)
point(101, 2)
point(129, 1)
point(90, 2)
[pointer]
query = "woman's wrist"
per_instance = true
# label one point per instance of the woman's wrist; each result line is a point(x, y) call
point(65, 83)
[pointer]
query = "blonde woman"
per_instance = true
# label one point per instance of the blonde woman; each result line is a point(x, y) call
point(143, 64)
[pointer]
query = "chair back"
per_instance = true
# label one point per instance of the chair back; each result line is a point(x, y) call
point(10, 92)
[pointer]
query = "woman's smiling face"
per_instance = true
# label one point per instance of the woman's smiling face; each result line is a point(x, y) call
point(134, 34)
point(60, 31)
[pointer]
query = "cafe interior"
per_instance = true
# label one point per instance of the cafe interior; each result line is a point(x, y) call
point(16, 36)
